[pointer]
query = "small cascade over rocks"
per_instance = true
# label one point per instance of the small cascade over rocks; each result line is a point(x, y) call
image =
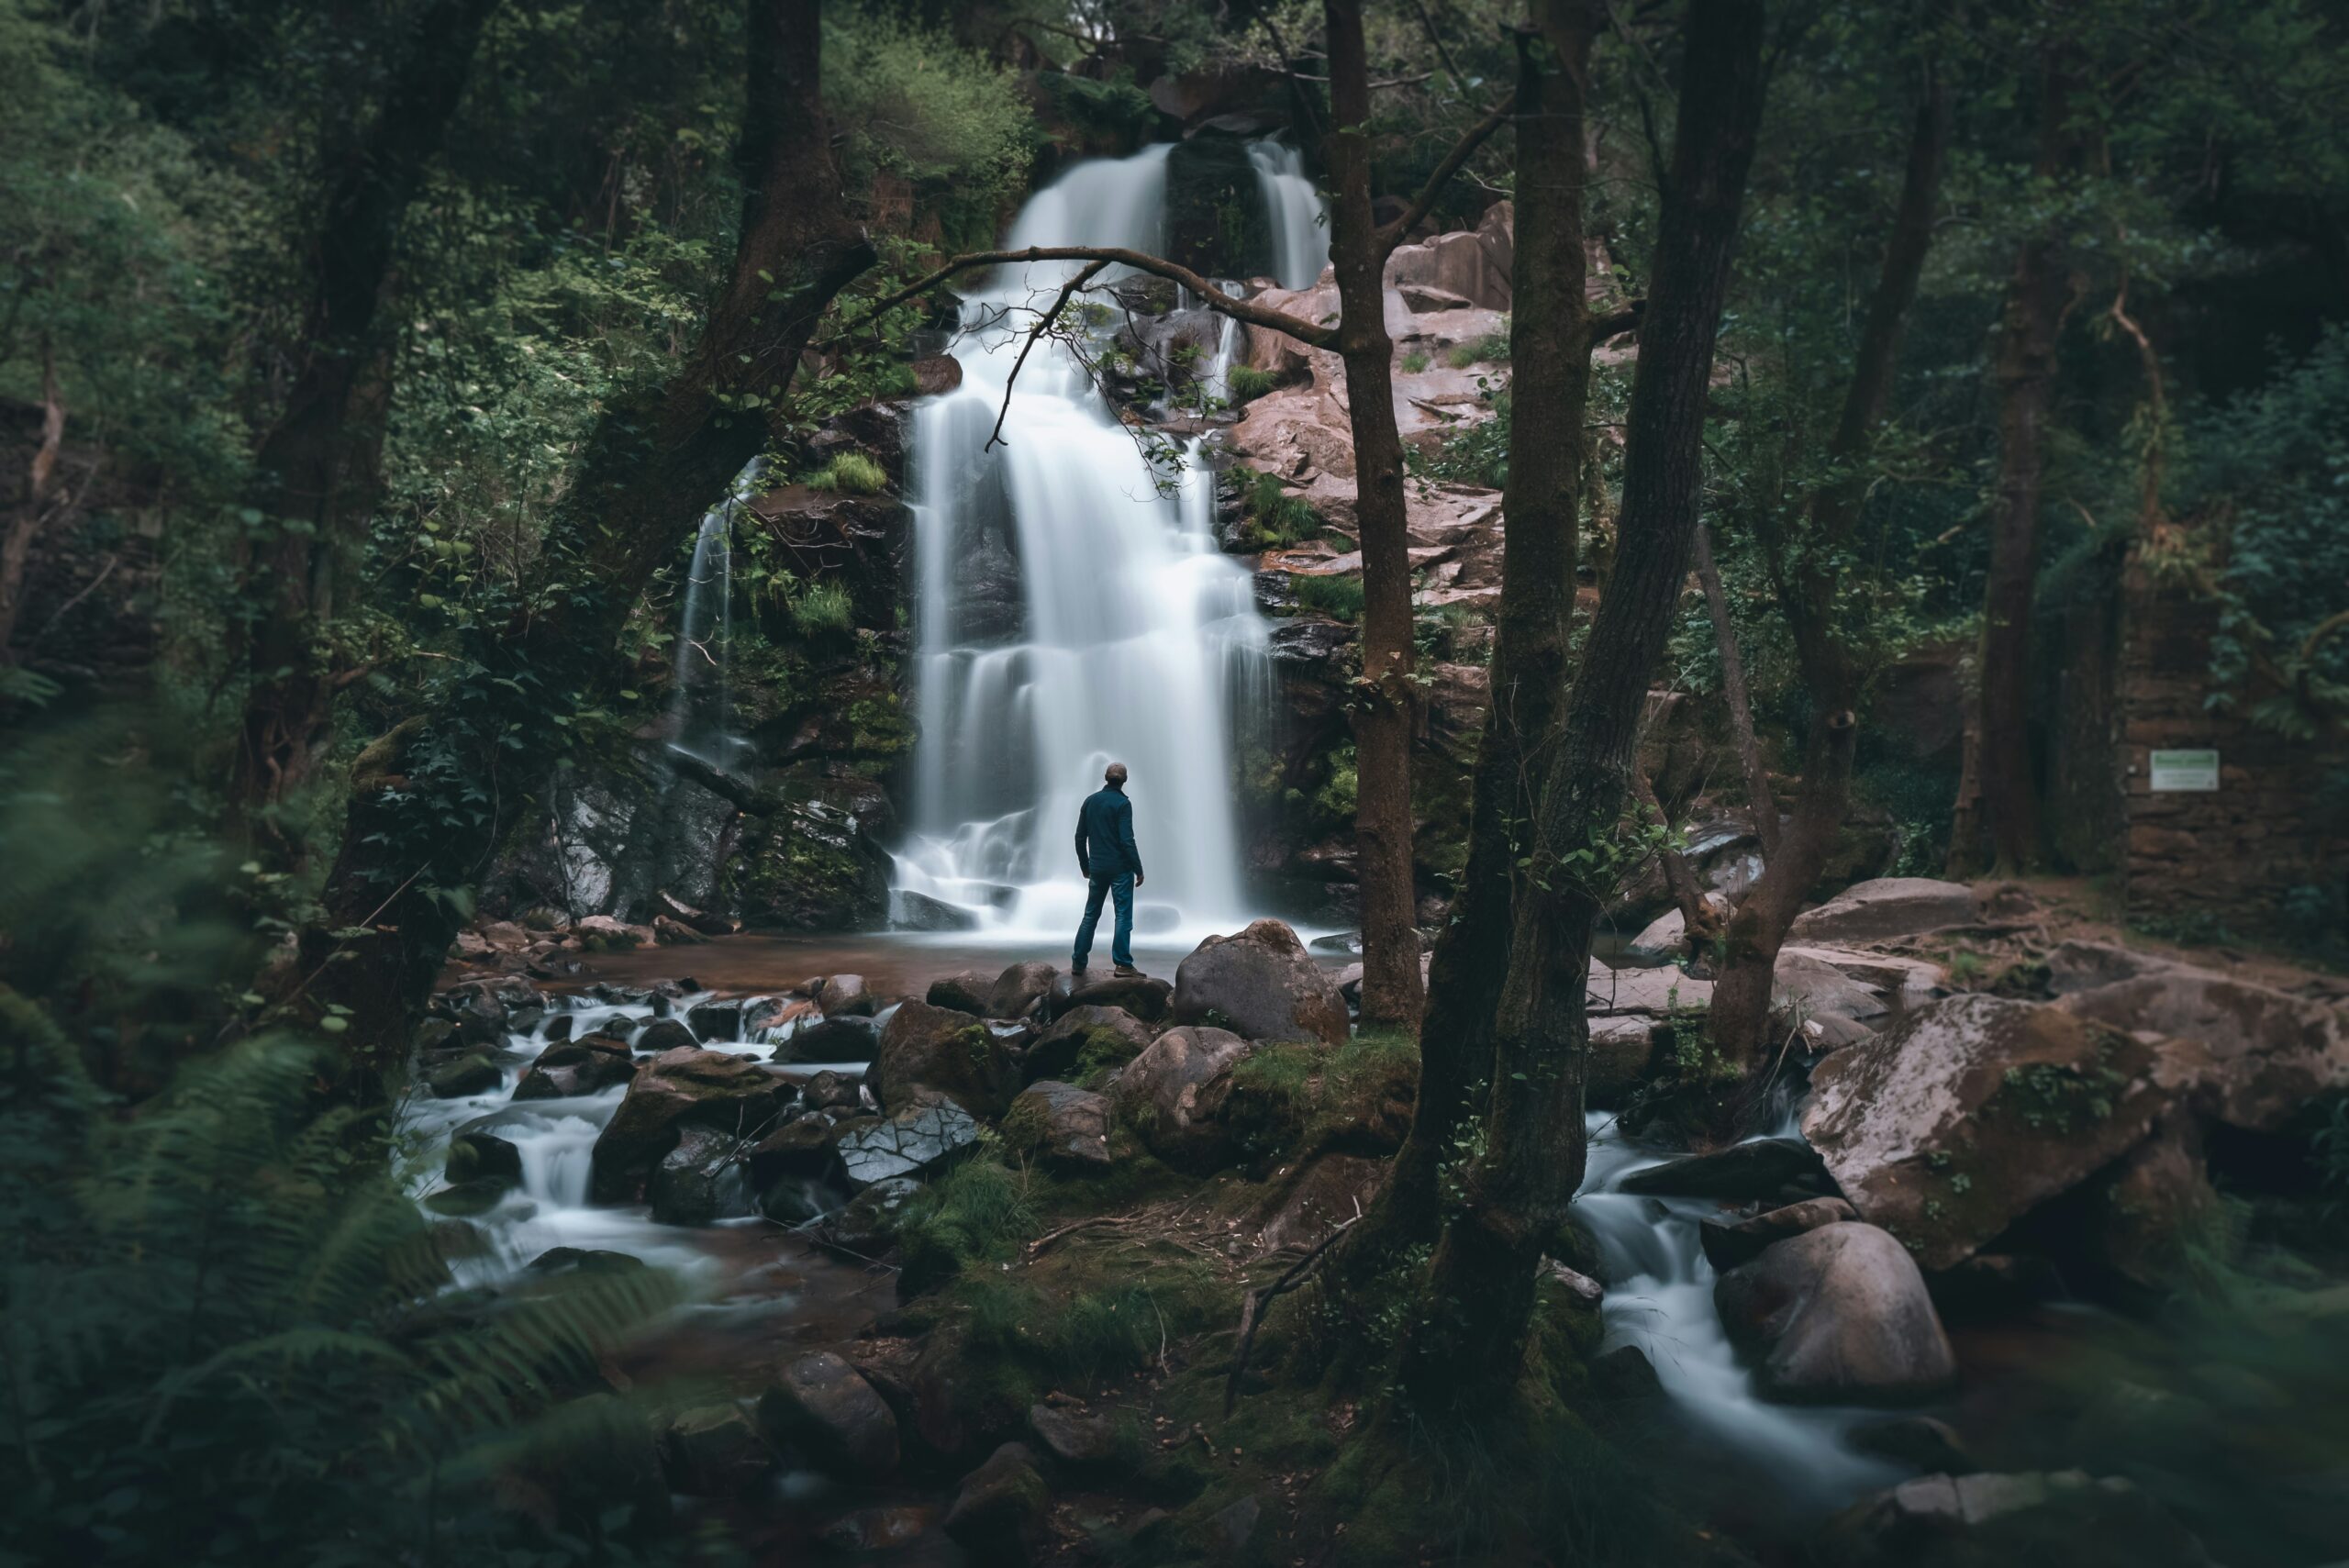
point(698, 689)
point(1300, 237)
point(1072, 610)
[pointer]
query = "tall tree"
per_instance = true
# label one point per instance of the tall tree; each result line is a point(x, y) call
point(1551, 337)
point(1468, 1353)
point(1809, 576)
point(317, 473)
point(2039, 294)
point(432, 800)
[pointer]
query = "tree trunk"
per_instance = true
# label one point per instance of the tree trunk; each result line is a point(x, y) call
point(1550, 362)
point(429, 805)
point(2037, 298)
point(1384, 701)
point(1467, 1353)
point(1808, 588)
point(317, 476)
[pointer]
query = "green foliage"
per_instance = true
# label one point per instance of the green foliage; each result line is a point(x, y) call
point(979, 1212)
point(1477, 454)
point(823, 608)
point(1490, 349)
point(1246, 384)
point(920, 105)
point(1337, 595)
point(1333, 803)
point(1414, 362)
point(852, 473)
point(231, 1339)
point(1274, 518)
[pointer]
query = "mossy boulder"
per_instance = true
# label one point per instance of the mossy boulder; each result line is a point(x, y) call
point(689, 1086)
point(997, 1515)
point(822, 1406)
point(1059, 1125)
point(1158, 1094)
point(1262, 984)
point(945, 1051)
point(1085, 1039)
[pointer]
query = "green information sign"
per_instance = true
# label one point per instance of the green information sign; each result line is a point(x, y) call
point(2176, 771)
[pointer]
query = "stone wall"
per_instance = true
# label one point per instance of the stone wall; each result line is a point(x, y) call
point(2234, 856)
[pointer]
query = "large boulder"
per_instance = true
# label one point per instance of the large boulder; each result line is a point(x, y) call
point(998, 1512)
point(824, 1408)
point(1727, 1244)
point(1102, 1035)
point(1886, 907)
point(842, 994)
point(687, 1086)
point(1758, 1168)
point(851, 1038)
point(2264, 1054)
point(1837, 1314)
point(699, 1180)
point(1803, 986)
point(965, 993)
point(1652, 992)
point(1158, 1093)
point(1059, 1125)
point(1973, 1110)
point(1146, 997)
point(945, 1052)
point(1262, 984)
point(2037, 1520)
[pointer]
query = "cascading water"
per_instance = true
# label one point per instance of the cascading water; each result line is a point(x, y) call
point(698, 695)
point(1129, 635)
point(1300, 241)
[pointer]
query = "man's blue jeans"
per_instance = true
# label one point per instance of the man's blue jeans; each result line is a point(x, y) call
point(1121, 945)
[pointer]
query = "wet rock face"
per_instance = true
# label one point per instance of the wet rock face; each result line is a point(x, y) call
point(947, 1053)
point(998, 1512)
point(1158, 1093)
point(1262, 984)
point(1973, 1110)
point(870, 1222)
point(965, 993)
point(1107, 1033)
point(1837, 1314)
point(1729, 1245)
point(1760, 1168)
point(1960, 1522)
point(916, 1139)
point(1018, 988)
point(687, 1086)
point(699, 1180)
point(823, 1408)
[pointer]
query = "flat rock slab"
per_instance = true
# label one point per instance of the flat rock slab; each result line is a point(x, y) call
point(2264, 1054)
point(1962, 1521)
point(1887, 908)
point(1760, 1168)
point(910, 1141)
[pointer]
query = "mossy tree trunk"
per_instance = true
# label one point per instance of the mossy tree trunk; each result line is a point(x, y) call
point(431, 801)
point(1466, 1354)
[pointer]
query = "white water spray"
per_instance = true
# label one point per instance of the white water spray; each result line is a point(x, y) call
point(1300, 237)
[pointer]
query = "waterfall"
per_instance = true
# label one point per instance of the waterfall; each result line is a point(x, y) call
point(697, 693)
point(1070, 612)
point(1300, 238)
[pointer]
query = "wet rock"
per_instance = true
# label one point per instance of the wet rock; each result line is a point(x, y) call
point(714, 1451)
point(912, 911)
point(1625, 1373)
point(1622, 1058)
point(474, 1074)
point(1019, 988)
point(1886, 907)
point(868, 1226)
point(2146, 1210)
point(601, 933)
point(1975, 1109)
point(1920, 1443)
point(1760, 1168)
point(842, 994)
point(585, 1261)
point(464, 1200)
point(2034, 1518)
point(1158, 1093)
point(1801, 987)
point(1729, 1245)
point(587, 1065)
point(559, 1028)
point(1104, 1035)
point(1915, 981)
point(1575, 1282)
point(829, 1090)
point(697, 1182)
point(2264, 1054)
point(1059, 1125)
point(877, 1530)
point(483, 1157)
point(1837, 1315)
point(720, 1021)
point(998, 1511)
point(1262, 984)
point(945, 1052)
point(1146, 997)
point(850, 1039)
point(912, 1141)
point(674, 933)
point(824, 1408)
point(965, 993)
point(689, 1086)
point(801, 1148)
point(663, 1034)
point(1077, 1438)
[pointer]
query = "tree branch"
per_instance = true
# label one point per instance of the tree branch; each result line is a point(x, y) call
point(1392, 234)
point(1043, 324)
point(1214, 298)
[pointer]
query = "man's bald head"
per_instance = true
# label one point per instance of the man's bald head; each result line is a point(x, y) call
point(1115, 774)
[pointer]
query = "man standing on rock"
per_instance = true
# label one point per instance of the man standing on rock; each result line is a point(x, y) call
point(1105, 854)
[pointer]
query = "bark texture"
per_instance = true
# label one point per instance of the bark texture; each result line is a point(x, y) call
point(1470, 1348)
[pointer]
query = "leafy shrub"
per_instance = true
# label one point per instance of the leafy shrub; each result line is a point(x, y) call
point(852, 473)
point(1337, 595)
point(1490, 349)
point(1246, 384)
point(823, 608)
point(1415, 361)
point(1275, 518)
point(922, 106)
point(1334, 801)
